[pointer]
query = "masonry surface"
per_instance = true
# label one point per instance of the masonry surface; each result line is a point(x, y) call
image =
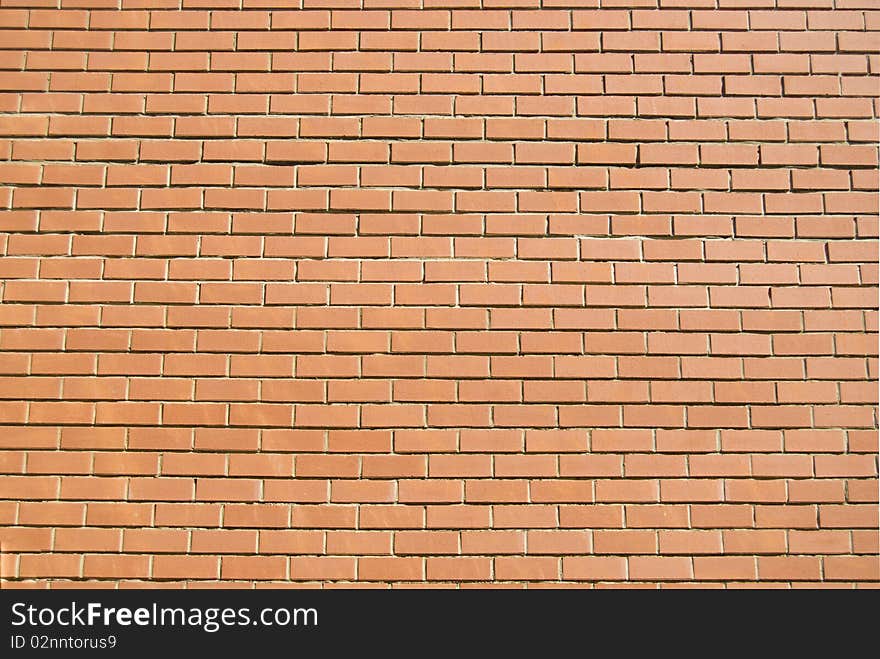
point(445, 292)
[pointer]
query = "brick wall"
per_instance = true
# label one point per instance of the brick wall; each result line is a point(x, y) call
point(445, 291)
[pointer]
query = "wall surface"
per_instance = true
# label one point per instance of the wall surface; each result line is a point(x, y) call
point(452, 292)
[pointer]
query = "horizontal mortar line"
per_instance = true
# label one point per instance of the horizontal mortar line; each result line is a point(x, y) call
point(861, 118)
point(270, 235)
point(486, 479)
point(422, 427)
point(621, 453)
point(493, 166)
point(465, 90)
point(422, 555)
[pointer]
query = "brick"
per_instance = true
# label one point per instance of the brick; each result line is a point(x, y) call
point(500, 294)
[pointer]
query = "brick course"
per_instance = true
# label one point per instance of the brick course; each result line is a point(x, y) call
point(456, 292)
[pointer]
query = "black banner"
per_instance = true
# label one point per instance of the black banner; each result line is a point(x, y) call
point(421, 621)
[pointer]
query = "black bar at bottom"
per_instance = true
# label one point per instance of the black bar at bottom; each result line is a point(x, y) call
point(426, 622)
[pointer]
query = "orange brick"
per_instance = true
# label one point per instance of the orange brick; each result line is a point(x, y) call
point(497, 296)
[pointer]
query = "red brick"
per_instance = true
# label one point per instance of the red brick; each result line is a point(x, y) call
point(523, 302)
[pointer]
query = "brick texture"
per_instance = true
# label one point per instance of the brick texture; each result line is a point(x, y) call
point(446, 292)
